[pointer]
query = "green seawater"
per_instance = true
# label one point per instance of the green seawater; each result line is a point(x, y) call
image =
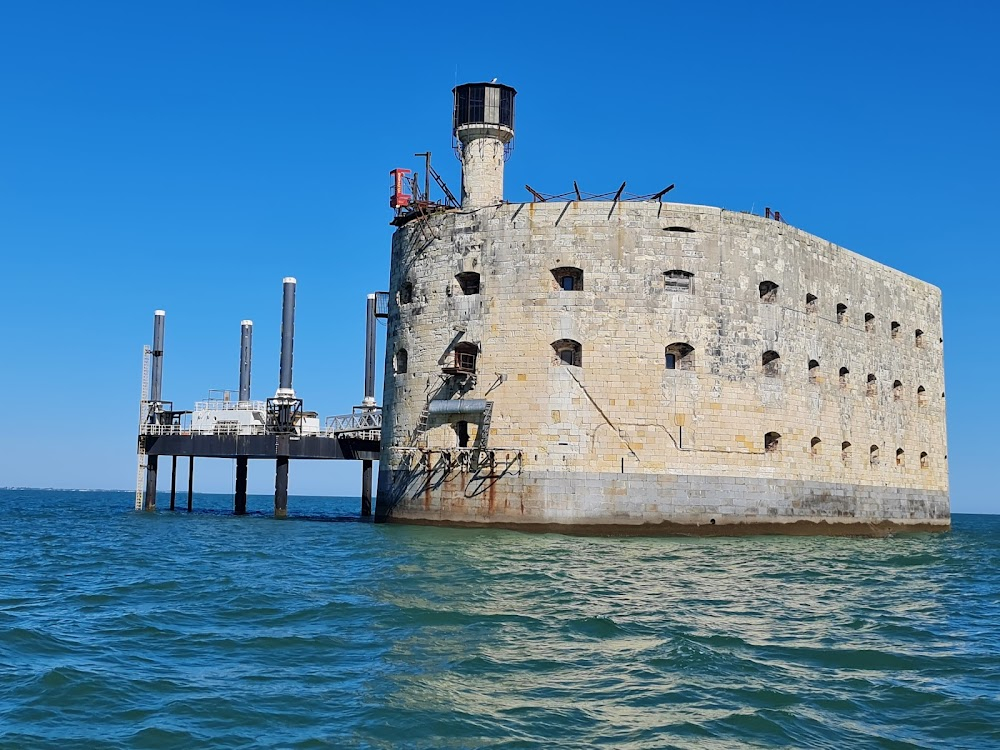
point(173, 630)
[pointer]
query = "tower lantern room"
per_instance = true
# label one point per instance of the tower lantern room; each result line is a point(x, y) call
point(483, 125)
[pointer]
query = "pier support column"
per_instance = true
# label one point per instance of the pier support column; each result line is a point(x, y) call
point(173, 481)
point(366, 489)
point(190, 483)
point(240, 503)
point(149, 499)
point(281, 487)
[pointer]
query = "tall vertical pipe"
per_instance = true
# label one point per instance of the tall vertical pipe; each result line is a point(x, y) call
point(287, 338)
point(156, 370)
point(155, 396)
point(246, 345)
point(369, 400)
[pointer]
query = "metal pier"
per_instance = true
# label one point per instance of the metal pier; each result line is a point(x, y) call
point(276, 429)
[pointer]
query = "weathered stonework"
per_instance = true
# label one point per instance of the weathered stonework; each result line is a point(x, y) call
point(624, 442)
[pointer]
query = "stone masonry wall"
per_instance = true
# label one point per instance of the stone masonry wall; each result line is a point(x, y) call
point(578, 432)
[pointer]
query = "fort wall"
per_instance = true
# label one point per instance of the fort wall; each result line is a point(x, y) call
point(573, 318)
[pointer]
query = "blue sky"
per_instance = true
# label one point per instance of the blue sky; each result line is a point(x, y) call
point(189, 155)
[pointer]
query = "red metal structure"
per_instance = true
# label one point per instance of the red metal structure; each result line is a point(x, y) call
point(398, 198)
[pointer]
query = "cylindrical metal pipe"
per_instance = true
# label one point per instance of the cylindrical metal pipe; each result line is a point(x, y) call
point(366, 489)
point(246, 344)
point(156, 369)
point(240, 501)
point(447, 407)
point(287, 336)
point(281, 487)
point(370, 353)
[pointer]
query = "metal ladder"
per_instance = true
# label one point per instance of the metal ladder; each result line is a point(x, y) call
point(140, 474)
point(421, 427)
point(483, 435)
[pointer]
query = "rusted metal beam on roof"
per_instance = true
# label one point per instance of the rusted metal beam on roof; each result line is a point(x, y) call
point(538, 196)
point(659, 196)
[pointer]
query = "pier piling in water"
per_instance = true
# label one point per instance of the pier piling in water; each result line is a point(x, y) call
point(246, 347)
point(155, 406)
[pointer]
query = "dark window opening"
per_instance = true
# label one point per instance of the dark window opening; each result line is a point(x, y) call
point(899, 457)
point(894, 329)
point(568, 279)
point(869, 323)
point(462, 430)
point(568, 352)
point(845, 451)
point(464, 360)
point(872, 385)
point(405, 293)
point(678, 281)
point(814, 446)
point(813, 371)
point(918, 336)
point(768, 291)
point(680, 356)
point(402, 361)
point(897, 390)
point(873, 455)
point(468, 281)
point(771, 362)
point(924, 461)
point(844, 372)
point(841, 313)
point(772, 442)
point(921, 396)
point(812, 303)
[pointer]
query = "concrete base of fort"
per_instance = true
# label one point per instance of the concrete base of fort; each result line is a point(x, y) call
point(649, 504)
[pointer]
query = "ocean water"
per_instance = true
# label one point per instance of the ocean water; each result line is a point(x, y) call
point(173, 630)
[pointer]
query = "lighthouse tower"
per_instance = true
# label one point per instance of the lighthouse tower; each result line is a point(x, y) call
point(483, 126)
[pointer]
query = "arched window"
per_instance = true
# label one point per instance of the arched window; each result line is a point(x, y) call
point(812, 303)
point(568, 352)
point(405, 293)
point(771, 363)
point(918, 336)
point(869, 323)
point(844, 372)
point(768, 291)
point(845, 452)
point(841, 313)
point(678, 281)
point(813, 371)
point(897, 390)
point(464, 361)
point(679, 356)
point(568, 278)
point(899, 457)
point(402, 361)
point(872, 385)
point(873, 455)
point(924, 460)
point(814, 446)
point(921, 396)
point(894, 329)
point(772, 442)
point(468, 281)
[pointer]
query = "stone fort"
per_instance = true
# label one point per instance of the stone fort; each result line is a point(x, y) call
point(640, 366)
